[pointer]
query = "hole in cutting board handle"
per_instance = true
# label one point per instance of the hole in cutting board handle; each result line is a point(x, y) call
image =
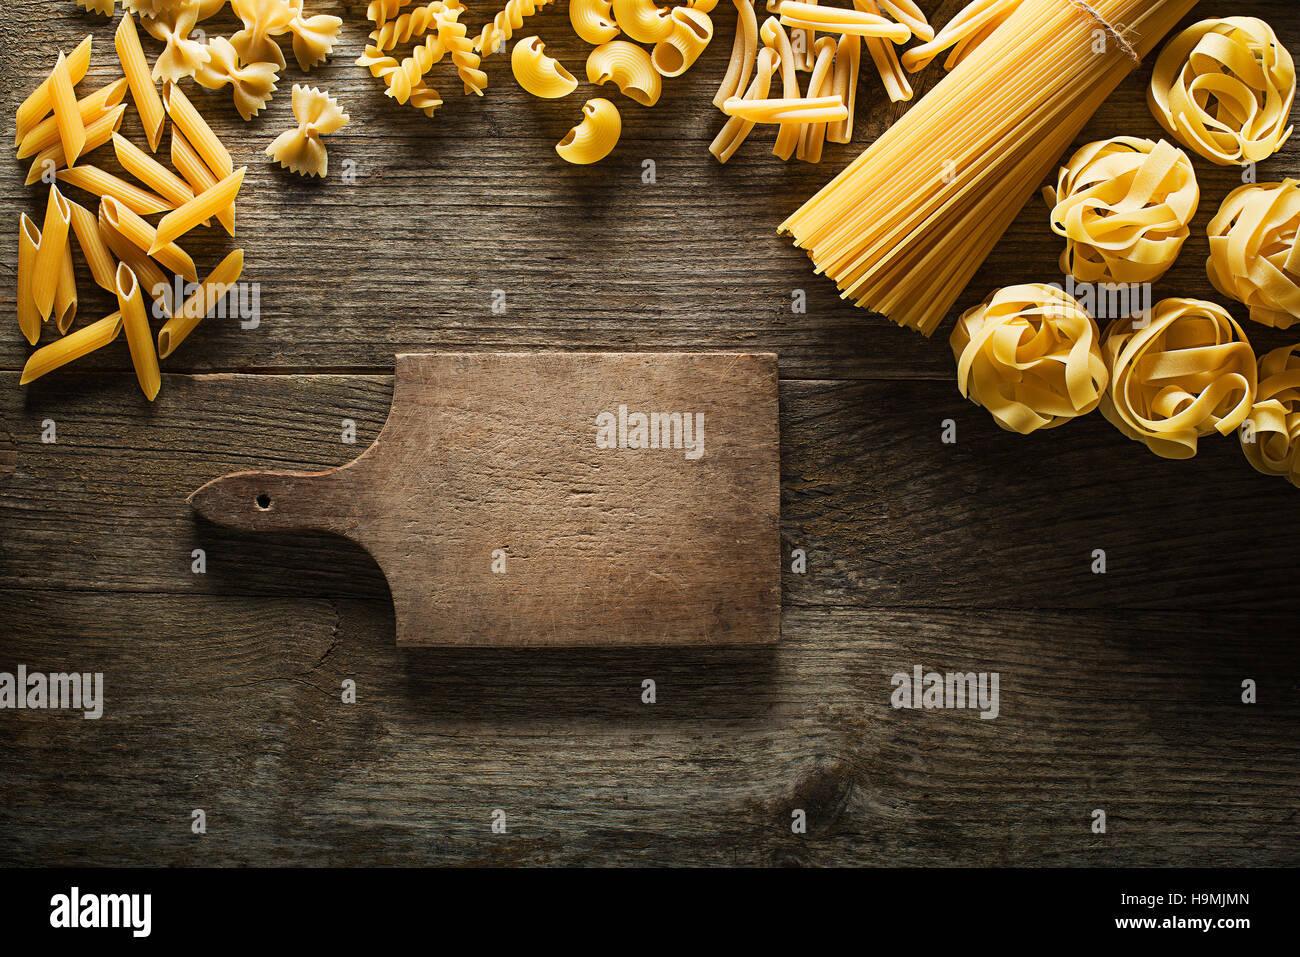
point(263, 501)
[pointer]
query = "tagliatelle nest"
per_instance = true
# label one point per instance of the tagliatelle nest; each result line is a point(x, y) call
point(1031, 355)
point(1271, 436)
point(1255, 251)
point(1123, 206)
point(1224, 88)
point(1188, 372)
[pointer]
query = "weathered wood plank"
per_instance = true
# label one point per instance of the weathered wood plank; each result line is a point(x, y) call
point(886, 512)
point(234, 706)
point(446, 211)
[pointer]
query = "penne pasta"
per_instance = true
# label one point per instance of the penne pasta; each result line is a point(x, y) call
point(147, 271)
point(67, 117)
point(196, 130)
point(138, 338)
point(103, 267)
point(38, 105)
point(820, 109)
point(152, 173)
point(65, 292)
point(140, 80)
point(71, 347)
point(91, 108)
point(191, 166)
point(144, 237)
point(29, 241)
point(208, 203)
point(49, 255)
point(94, 180)
point(97, 134)
point(196, 308)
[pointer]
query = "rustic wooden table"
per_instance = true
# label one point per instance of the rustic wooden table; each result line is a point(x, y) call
point(1119, 691)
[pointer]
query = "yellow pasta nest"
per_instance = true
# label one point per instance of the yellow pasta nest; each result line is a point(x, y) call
point(1031, 355)
point(1271, 436)
point(1124, 206)
point(1187, 372)
point(1224, 88)
point(1254, 253)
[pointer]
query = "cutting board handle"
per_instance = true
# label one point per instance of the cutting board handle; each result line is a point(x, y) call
point(279, 501)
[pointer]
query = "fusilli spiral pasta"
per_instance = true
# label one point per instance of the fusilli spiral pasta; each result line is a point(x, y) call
point(1031, 356)
point(412, 24)
point(500, 28)
point(401, 77)
point(1255, 251)
point(452, 34)
point(1270, 438)
point(1124, 206)
point(1224, 88)
point(1188, 372)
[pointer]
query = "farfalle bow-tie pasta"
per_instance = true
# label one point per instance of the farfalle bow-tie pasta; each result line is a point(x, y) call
point(301, 149)
point(1255, 253)
point(1187, 372)
point(1271, 436)
point(1123, 206)
point(1224, 88)
point(1031, 355)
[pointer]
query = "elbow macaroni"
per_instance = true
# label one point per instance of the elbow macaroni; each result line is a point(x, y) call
point(592, 139)
point(539, 74)
point(629, 66)
point(593, 20)
point(642, 20)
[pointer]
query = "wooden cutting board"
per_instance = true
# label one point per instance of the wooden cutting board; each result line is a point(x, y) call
point(557, 499)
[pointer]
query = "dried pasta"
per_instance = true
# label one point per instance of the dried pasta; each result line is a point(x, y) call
point(736, 129)
point(29, 244)
point(138, 338)
point(313, 36)
point(818, 109)
point(140, 234)
point(820, 84)
point(965, 31)
point(692, 31)
point(410, 25)
point(149, 273)
point(595, 137)
point(198, 176)
point(252, 84)
point(181, 56)
point(1254, 253)
point(136, 70)
point(743, 51)
point(844, 84)
point(206, 204)
point(49, 255)
point(453, 36)
point(103, 267)
point(38, 104)
point(629, 67)
point(71, 347)
point(190, 122)
point(152, 173)
point(775, 37)
point(1188, 372)
point(196, 308)
point(593, 20)
point(1124, 206)
point(51, 159)
point(886, 60)
point(402, 76)
point(67, 115)
point(300, 149)
point(1270, 437)
point(46, 133)
point(811, 16)
point(65, 292)
point(500, 28)
point(97, 6)
point(95, 180)
point(263, 20)
point(1224, 88)
point(539, 74)
point(642, 20)
point(1030, 355)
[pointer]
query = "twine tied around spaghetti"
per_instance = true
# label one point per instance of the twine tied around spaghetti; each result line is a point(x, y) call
point(1114, 32)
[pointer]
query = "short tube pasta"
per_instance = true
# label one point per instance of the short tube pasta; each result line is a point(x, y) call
point(196, 308)
point(629, 67)
point(144, 237)
point(595, 137)
point(196, 130)
point(29, 243)
point(49, 257)
point(692, 31)
point(71, 347)
point(140, 80)
point(539, 74)
point(103, 267)
point(90, 108)
point(593, 20)
point(208, 203)
point(151, 277)
point(152, 173)
point(97, 134)
point(65, 292)
point(136, 323)
point(196, 173)
point(95, 180)
point(38, 104)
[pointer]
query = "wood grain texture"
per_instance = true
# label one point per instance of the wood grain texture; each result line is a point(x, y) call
point(1120, 691)
point(499, 518)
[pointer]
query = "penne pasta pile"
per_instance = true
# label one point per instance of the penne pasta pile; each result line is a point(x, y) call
point(140, 262)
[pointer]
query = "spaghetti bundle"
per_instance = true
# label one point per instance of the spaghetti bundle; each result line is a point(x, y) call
point(905, 226)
